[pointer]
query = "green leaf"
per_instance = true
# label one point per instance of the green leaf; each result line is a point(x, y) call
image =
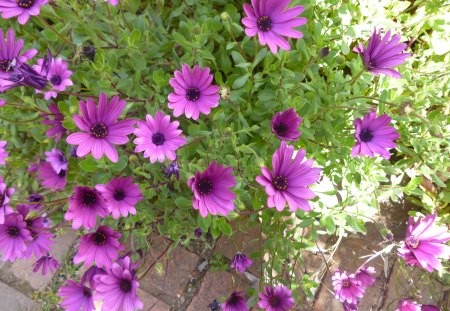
point(88, 165)
point(183, 203)
point(240, 82)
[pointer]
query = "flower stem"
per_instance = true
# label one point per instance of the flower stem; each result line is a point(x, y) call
point(352, 81)
point(42, 20)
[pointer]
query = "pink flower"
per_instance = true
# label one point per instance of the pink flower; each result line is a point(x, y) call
point(76, 297)
point(13, 237)
point(346, 287)
point(58, 75)
point(23, 9)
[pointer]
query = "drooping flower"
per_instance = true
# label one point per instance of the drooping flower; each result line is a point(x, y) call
point(101, 130)
point(47, 263)
point(3, 153)
point(349, 306)
point(430, 308)
point(289, 180)
point(121, 196)
point(33, 166)
point(272, 21)
point(374, 135)
point(56, 130)
point(382, 54)
point(100, 246)
point(56, 73)
point(90, 274)
point(50, 179)
point(235, 303)
point(5, 195)
point(193, 93)
point(158, 137)
point(408, 305)
point(364, 276)
point(76, 297)
point(277, 298)
point(57, 160)
point(13, 237)
point(285, 125)
point(35, 198)
point(211, 190)
point(346, 287)
point(241, 262)
point(84, 207)
point(118, 288)
point(425, 243)
point(198, 232)
point(23, 9)
point(172, 169)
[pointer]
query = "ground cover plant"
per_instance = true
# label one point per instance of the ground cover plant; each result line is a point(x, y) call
point(127, 118)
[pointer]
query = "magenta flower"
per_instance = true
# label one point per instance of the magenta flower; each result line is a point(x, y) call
point(100, 129)
point(408, 305)
point(158, 137)
point(90, 274)
point(3, 153)
point(57, 160)
point(235, 303)
point(374, 135)
point(346, 287)
point(50, 179)
point(84, 207)
point(289, 180)
point(5, 195)
point(285, 125)
point(23, 9)
point(114, 2)
point(430, 308)
point(56, 72)
point(118, 288)
point(382, 54)
point(350, 306)
point(47, 263)
point(76, 297)
point(56, 130)
point(35, 199)
point(121, 196)
point(212, 192)
point(425, 243)
point(364, 276)
point(100, 246)
point(13, 237)
point(193, 92)
point(277, 298)
point(271, 20)
point(241, 262)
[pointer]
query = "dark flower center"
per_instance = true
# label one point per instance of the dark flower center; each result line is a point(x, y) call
point(412, 242)
point(5, 65)
point(274, 301)
point(87, 292)
point(26, 4)
point(280, 128)
point(62, 158)
point(13, 231)
point(99, 238)
point(346, 283)
point(264, 23)
point(366, 135)
point(34, 198)
point(204, 186)
point(125, 286)
point(233, 300)
point(89, 198)
point(2, 199)
point(99, 130)
point(280, 183)
point(29, 223)
point(56, 80)
point(192, 94)
point(62, 173)
point(119, 194)
point(158, 139)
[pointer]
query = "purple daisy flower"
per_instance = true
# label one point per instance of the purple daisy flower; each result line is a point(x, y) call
point(235, 303)
point(193, 92)
point(57, 73)
point(430, 308)
point(57, 160)
point(90, 274)
point(271, 20)
point(121, 196)
point(23, 9)
point(277, 298)
point(158, 137)
point(118, 288)
point(47, 263)
point(34, 199)
point(241, 262)
point(100, 246)
point(84, 207)
point(289, 180)
point(50, 179)
point(56, 130)
point(172, 169)
point(364, 276)
point(374, 135)
point(408, 305)
point(425, 243)
point(5, 195)
point(382, 54)
point(76, 297)
point(100, 129)
point(285, 125)
point(350, 306)
point(3, 153)
point(346, 287)
point(13, 237)
point(212, 192)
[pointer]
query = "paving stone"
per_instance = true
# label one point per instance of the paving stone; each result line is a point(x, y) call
point(13, 300)
point(22, 269)
point(152, 303)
